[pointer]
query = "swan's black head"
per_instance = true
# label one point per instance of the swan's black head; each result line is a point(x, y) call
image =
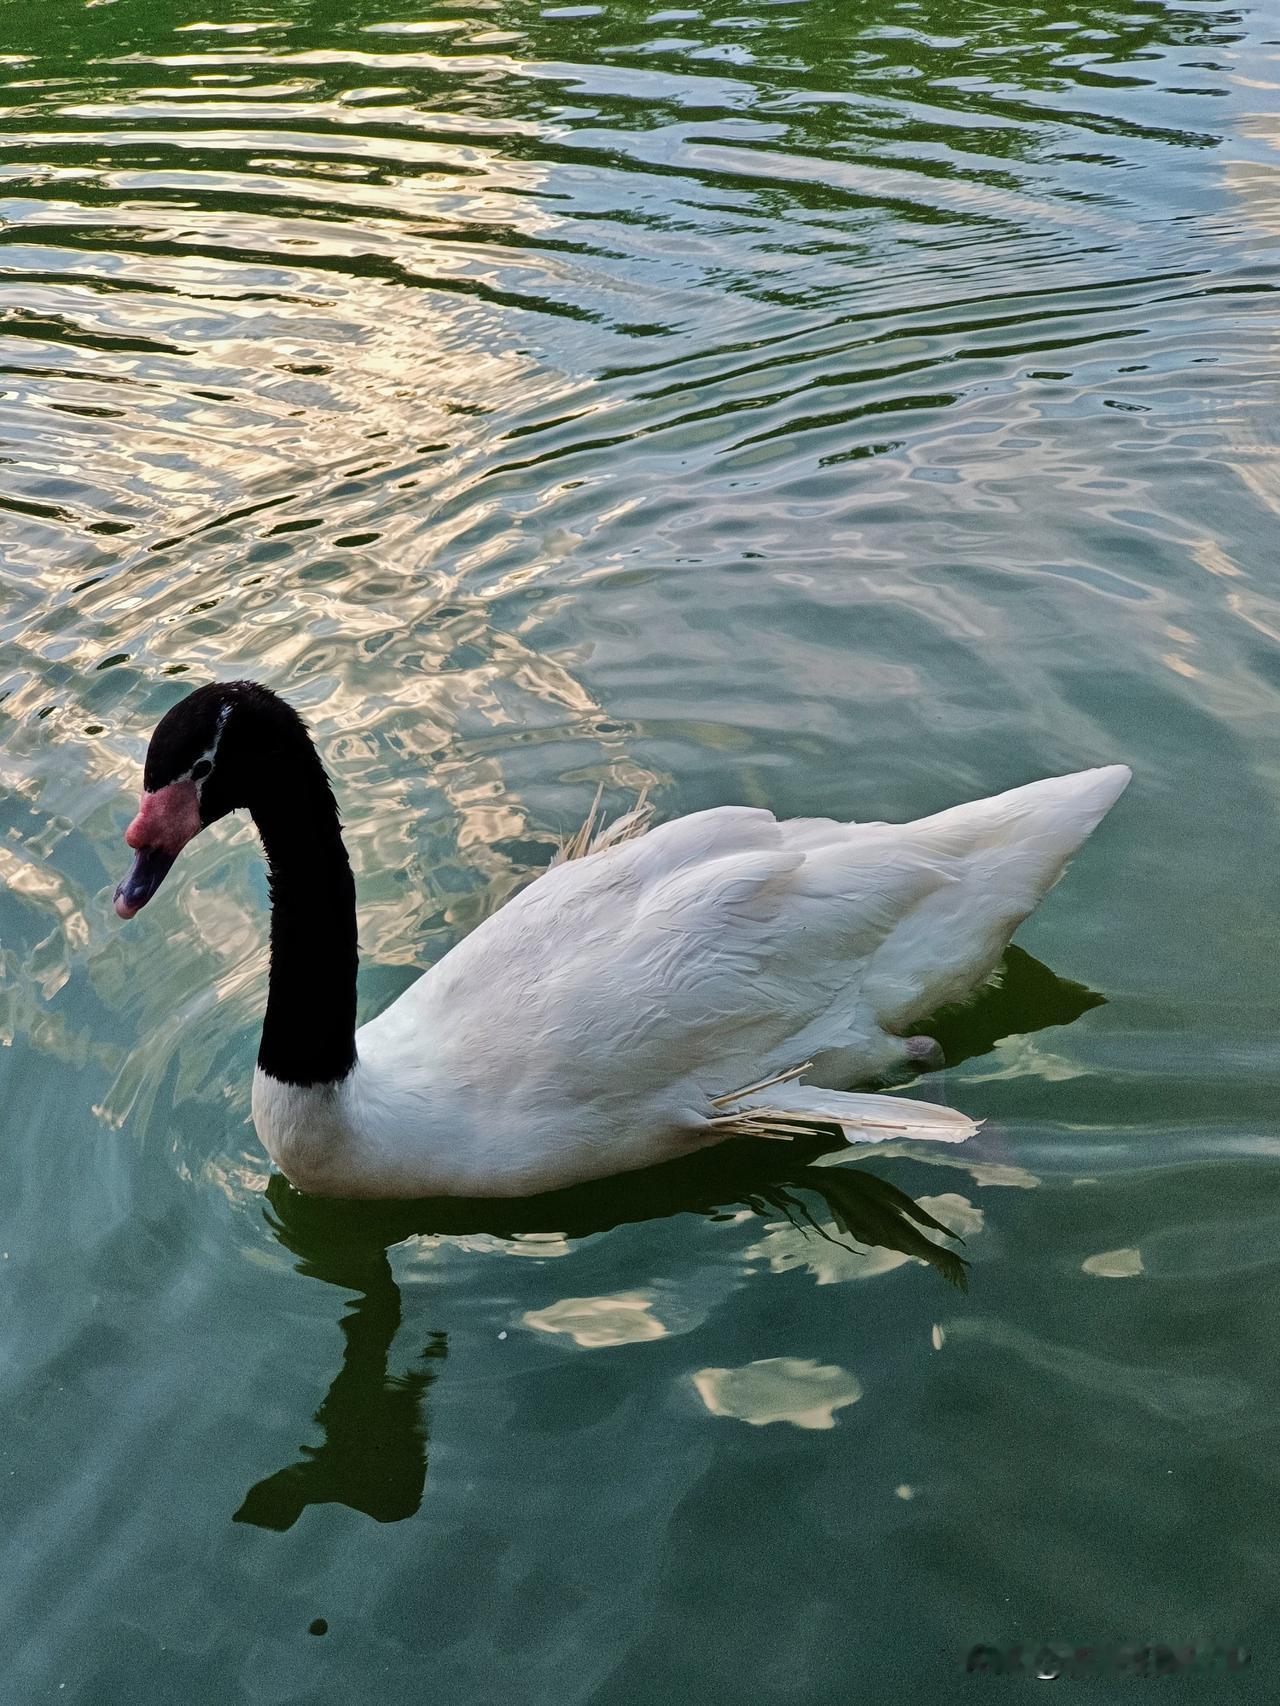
point(218, 749)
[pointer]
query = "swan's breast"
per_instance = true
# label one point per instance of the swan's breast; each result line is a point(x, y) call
point(304, 1130)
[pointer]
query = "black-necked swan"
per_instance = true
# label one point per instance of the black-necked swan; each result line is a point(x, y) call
point(662, 990)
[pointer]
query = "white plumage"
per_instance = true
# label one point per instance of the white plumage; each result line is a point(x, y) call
point(603, 1018)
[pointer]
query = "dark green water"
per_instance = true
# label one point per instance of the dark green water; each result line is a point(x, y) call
point(849, 408)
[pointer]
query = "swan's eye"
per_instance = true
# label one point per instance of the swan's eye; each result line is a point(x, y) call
point(201, 770)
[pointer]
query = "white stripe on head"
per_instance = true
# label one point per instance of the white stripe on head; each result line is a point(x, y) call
point(210, 752)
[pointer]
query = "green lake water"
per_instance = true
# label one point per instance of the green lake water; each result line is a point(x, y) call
point(848, 408)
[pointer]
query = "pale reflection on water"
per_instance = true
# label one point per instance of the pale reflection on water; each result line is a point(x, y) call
point(779, 1389)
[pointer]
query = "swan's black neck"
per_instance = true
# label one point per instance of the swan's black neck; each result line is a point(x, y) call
point(308, 1033)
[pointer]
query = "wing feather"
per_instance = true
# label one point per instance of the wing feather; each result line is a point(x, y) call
point(655, 971)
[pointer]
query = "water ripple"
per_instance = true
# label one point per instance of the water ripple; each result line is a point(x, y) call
point(843, 409)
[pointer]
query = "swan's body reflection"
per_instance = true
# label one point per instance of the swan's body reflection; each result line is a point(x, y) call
point(373, 1454)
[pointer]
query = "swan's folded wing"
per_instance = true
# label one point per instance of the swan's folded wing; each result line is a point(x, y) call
point(646, 977)
point(707, 948)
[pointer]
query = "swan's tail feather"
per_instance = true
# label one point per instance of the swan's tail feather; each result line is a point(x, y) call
point(1005, 854)
point(782, 1108)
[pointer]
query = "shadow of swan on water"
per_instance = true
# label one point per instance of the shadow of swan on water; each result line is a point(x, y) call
point(373, 1451)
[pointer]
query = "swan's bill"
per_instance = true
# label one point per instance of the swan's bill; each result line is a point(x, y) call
point(150, 868)
point(167, 819)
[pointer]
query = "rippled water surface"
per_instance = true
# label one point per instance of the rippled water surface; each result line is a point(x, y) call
point(848, 408)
